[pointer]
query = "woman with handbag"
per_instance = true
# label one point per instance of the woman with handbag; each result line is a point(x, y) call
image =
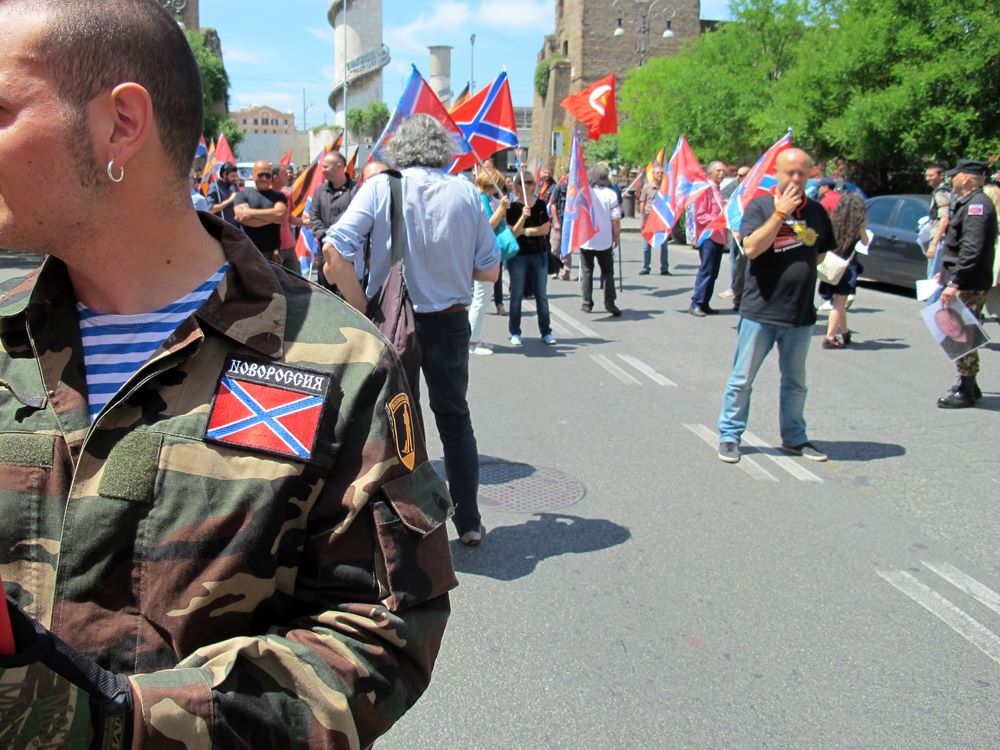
point(495, 208)
point(850, 220)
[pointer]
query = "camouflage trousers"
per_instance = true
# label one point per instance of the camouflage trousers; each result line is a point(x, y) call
point(968, 366)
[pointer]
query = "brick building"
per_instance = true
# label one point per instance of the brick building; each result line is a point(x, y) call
point(585, 48)
point(260, 120)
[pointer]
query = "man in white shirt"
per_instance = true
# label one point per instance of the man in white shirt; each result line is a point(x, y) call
point(599, 247)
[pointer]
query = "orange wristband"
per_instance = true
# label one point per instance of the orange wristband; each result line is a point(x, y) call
point(780, 214)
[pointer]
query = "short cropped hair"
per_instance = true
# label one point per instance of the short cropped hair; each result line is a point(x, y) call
point(91, 46)
point(421, 141)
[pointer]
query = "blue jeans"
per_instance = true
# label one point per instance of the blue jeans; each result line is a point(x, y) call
point(711, 261)
point(753, 343)
point(519, 268)
point(647, 252)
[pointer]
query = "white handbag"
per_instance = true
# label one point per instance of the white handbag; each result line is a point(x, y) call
point(833, 267)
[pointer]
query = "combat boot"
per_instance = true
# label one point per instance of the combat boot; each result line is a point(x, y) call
point(964, 397)
point(978, 394)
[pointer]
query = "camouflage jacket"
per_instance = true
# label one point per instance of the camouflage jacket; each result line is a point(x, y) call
point(256, 598)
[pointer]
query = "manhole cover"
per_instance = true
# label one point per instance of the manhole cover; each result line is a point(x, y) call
point(522, 488)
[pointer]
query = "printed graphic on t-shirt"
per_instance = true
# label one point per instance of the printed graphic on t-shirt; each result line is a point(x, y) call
point(793, 234)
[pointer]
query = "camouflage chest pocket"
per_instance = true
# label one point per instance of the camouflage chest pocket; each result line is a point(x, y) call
point(409, 524)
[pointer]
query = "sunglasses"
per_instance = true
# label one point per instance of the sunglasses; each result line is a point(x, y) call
point(263, 175)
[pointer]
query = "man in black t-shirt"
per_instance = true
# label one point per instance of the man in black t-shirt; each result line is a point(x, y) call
point(786, 235)
point(260, 212)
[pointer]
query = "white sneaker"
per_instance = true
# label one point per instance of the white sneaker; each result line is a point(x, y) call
point(480, 350)
point(728, 294)
point(826, 307)
point(516, 341)
point(549, 339)
point(850, 301)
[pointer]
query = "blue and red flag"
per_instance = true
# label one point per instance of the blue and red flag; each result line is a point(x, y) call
point(201, 149)
point(683, 181)
point(306, 249)
point(760, 181)
point(487, 122)
point(579, 222)
point(419, 98)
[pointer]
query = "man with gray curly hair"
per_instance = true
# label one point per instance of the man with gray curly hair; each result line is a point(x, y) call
point(449, 244)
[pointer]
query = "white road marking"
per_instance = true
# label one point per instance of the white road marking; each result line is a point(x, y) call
point(748, 465)
point(614, 369)
point(787, 463)
point(568, 320)
point(971, 630)
point(981, 593)
point(646, 370)
point(559, 328)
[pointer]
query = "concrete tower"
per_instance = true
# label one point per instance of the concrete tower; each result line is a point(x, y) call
point(185, 10)
point(358, 54)
point(440, 71)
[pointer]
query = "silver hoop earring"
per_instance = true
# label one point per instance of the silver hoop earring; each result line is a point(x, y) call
point(111, 175)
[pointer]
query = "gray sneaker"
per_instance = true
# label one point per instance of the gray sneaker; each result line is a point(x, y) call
point(806, 450)
point(729, 452)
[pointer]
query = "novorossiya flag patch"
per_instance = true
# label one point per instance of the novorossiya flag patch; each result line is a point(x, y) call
point(268, 407)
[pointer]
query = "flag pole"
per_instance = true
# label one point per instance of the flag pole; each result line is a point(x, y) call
point(621, 273)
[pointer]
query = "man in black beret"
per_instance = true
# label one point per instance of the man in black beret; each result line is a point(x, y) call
point(967, 265)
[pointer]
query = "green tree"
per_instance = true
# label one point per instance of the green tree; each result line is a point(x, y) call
point(215, 90)
point(367, 124)
point(542, 71)
point(921, 85)
point(605, 149)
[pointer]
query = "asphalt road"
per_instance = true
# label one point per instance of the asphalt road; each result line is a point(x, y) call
point(633, 591)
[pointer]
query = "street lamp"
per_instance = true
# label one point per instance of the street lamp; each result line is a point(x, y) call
point(647, 11)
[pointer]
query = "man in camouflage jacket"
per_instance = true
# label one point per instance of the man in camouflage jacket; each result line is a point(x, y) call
point(254, 595)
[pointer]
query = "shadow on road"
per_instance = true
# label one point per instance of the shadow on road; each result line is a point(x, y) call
point(874, 345)
point(861, 450)
point(508, 553)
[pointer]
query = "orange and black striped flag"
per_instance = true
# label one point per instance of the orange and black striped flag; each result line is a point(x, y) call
point(462, 98)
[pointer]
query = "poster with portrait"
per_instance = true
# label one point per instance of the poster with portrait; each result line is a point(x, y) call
point(955, 328)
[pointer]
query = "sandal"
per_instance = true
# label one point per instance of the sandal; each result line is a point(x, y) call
point(833, 344)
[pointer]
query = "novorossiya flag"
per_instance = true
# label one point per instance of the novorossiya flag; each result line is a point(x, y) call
point(760, 181)
point(487, 122)
point(419, 98)
point(683, 181)
point(579, 222)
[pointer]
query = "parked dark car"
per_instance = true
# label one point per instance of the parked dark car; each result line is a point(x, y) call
point(894, 256)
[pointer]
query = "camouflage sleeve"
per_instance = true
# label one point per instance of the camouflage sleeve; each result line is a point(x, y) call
point(367, 616)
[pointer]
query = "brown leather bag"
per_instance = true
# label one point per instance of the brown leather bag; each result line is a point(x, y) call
point(391, 310)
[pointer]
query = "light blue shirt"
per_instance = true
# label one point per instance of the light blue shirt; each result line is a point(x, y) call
point(200, 201)
point(448, 237)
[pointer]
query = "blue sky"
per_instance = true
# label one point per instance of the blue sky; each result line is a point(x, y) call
point(276, 48)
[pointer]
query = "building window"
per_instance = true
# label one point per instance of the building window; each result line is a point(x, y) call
point(244, 121)
point(566, 48)
point(285, 123)
point(255, 121)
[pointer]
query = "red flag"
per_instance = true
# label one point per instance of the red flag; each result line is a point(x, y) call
point(222, 150)
point(595, 107)
point(287, 158)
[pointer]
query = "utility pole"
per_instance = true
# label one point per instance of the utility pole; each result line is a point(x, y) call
point(472, 65)
point(344, 144)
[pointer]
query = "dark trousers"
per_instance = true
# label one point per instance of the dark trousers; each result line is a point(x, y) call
point(704, 284)
point(444, 340)
point(498, 288)
point(606, 262)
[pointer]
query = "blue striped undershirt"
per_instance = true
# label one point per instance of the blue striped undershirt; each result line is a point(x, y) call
point(116, 346)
